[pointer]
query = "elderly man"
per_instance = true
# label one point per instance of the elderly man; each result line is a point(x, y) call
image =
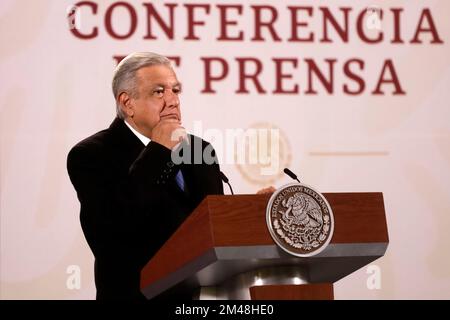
point(133, 195)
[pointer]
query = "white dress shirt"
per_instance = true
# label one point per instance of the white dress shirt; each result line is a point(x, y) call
point(141, 137)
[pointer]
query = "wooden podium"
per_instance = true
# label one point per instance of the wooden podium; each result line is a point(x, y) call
point(223, 250)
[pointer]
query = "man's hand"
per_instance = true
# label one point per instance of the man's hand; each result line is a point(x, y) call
point(169, 133)
point(270, 189)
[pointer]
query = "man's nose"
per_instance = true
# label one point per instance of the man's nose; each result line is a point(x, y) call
point(171, 99)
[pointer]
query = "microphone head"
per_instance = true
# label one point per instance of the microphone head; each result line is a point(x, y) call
point(224, 177)
point(290, 173)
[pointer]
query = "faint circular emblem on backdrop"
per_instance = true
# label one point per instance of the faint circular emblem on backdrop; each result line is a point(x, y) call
point(300, 220)
point(262, 153)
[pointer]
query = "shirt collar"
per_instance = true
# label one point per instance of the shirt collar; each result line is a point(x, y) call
point(141, 137)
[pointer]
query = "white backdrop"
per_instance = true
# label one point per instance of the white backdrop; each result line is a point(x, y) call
point(55, 91)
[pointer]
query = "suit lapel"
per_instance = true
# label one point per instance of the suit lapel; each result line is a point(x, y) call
point(126, 145)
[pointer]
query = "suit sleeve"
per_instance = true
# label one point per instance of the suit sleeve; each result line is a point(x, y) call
point(117, 212)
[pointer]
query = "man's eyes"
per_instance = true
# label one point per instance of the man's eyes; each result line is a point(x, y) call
point(159, 92)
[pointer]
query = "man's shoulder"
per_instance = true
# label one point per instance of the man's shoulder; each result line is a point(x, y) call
point(95, 141)
point(92, 146)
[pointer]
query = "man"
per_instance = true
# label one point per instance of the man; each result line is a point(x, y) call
point(133, 195)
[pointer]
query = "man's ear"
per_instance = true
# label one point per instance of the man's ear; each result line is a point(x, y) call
point(126, 104)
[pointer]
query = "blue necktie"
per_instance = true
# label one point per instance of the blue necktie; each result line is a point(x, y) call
point(180, 180)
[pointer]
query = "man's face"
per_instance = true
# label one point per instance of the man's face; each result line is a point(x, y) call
point(159, 90)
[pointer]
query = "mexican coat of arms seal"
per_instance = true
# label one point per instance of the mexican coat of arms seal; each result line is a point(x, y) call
point(300, 220)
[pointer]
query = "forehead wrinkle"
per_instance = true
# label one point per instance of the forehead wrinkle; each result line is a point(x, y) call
point(159, 74)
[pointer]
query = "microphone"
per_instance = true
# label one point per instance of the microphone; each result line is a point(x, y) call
point(291, 174)
point(225, 179)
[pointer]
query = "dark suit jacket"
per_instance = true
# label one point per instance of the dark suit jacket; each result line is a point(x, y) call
point(130, 202)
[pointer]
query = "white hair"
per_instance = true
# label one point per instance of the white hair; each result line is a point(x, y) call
point(124, 79)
